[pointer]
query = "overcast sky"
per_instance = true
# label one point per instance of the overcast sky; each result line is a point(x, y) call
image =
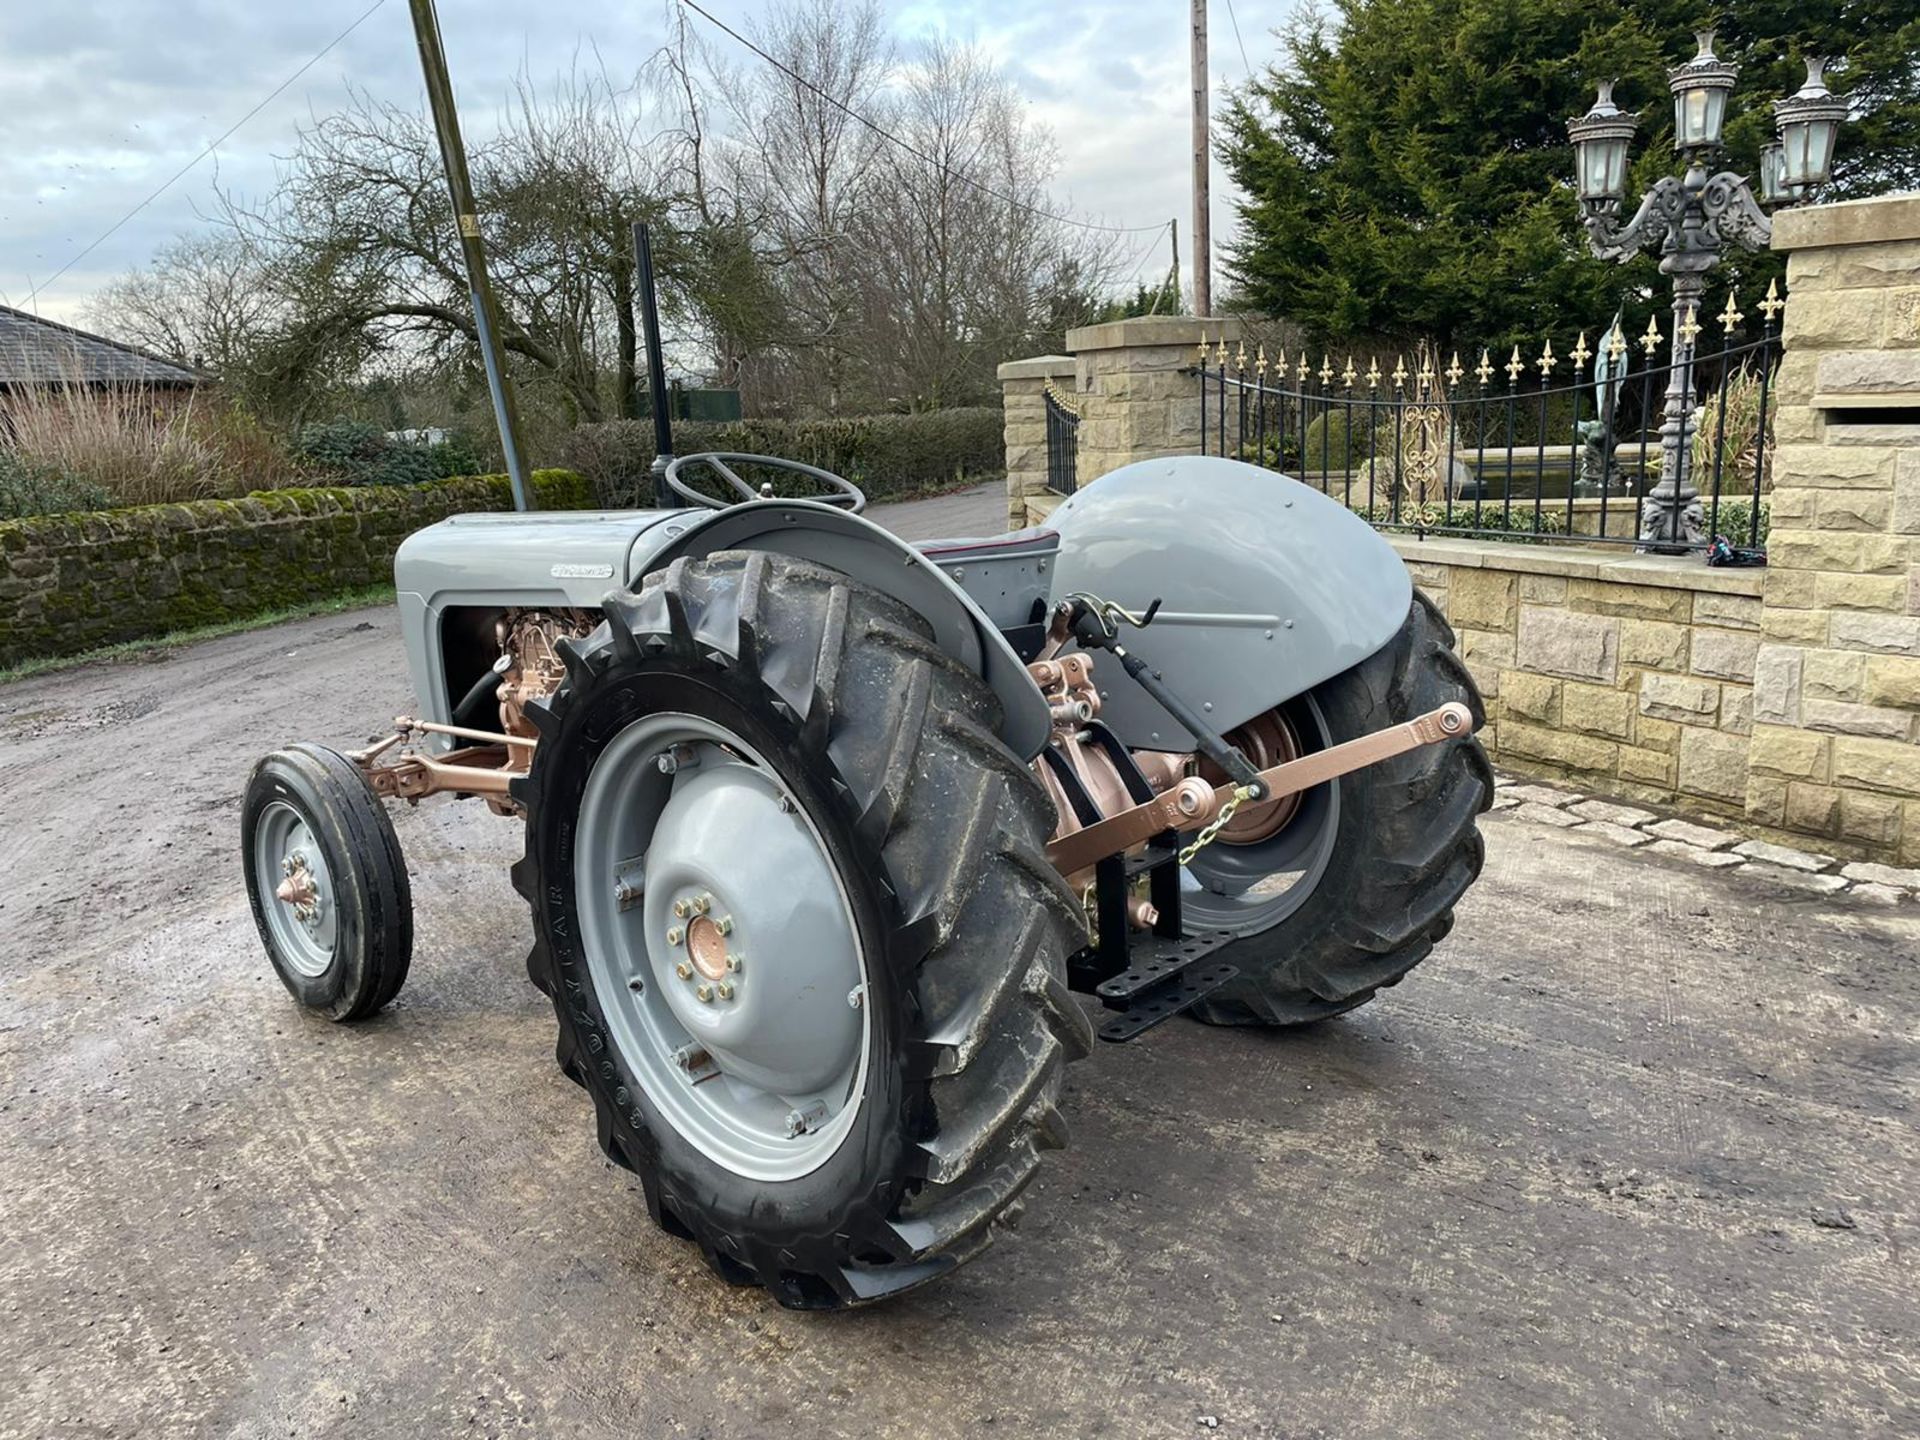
point(102, 100)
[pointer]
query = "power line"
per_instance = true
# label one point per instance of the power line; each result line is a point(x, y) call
point(227, 134)
point(1235, 19)
point(911, 149)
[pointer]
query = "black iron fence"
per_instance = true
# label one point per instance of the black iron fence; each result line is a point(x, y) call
point(1511, 449)
point(1063, 444)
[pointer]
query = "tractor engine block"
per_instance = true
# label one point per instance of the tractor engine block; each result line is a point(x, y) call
point(533, 667)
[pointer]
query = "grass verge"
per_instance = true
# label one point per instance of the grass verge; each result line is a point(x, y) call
point(173, 639)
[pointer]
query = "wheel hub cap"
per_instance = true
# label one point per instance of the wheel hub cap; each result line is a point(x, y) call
point(726, 985)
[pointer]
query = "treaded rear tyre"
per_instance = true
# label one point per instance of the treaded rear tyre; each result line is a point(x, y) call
point(1406, 849)
point(938, 836)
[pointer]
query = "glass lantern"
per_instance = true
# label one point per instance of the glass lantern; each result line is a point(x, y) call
point(1600, 139)
point(1809, 123)
point(1700, 89)
point(1774, 189)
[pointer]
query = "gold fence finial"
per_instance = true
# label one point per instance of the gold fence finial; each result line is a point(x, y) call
point(1260, 360)
point(1202, 357)
point(1689, 327)
point(1280, 366)
point(1399, 372)
point(1580, 354)
point(1453, 371)
point(1546, 362)
point(1773, 304)
point(1514, 366)
point(1616, 343)
point(1424, 376)
point(1485, 368)
point(1348, 376)
point(1373, 372)
point(1220, 351)
point(1650, 341)
point(1326, 369)
point(1731, 316)
point(1240, 358)
point(1302, 368)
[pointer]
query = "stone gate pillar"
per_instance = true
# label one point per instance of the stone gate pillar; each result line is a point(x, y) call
point(1837, 676)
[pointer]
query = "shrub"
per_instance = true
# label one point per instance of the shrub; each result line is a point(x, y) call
point(891, 457)
point(139, 447)
point(29, 487)
point(1335, 442)
point(351, 452)
point(1433, 518)
point(1735, 520)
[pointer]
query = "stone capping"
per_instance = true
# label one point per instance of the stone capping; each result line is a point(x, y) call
point(1040, 367)
point(1848, 222)
point(1142, 330)
point(1669, 572)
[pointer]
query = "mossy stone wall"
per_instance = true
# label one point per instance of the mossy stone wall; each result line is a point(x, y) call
point(72, 583)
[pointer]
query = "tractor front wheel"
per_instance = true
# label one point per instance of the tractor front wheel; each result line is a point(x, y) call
point(327, 882)
point(1360, 882)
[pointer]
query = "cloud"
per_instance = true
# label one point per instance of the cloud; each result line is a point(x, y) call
point(106, 100)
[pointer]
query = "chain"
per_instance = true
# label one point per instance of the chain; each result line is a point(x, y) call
point(1207, 836)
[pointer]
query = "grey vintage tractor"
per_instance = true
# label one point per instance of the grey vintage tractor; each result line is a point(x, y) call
point(825, 830)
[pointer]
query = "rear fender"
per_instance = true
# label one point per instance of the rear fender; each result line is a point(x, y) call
point(1012, 570)
point(1267, 587)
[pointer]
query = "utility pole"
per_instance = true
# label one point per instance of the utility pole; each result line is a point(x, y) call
point(1202, 248)
point(1173, 229)
point(466, 215)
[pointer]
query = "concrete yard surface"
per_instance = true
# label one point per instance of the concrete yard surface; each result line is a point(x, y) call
point(1633, 1154)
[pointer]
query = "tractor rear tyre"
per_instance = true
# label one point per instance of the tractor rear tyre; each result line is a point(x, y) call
point(326, 880)
point(1378, 858)
point(791, 900)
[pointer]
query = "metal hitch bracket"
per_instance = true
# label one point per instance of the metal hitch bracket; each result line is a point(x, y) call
point(1121, 832)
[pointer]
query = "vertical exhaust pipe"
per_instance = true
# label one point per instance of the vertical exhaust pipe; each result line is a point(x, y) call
point(486, 313)
point(656, 367)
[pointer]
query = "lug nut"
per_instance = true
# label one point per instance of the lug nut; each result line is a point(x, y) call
point(724, 924)
point(703, 993)
point(683, 970)
point(733, 964)
point(724, 990)
point(681, 909)
point(675, 935)
point(702, 904)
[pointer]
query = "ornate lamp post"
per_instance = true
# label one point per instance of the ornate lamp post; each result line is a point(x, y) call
point(1691, 220)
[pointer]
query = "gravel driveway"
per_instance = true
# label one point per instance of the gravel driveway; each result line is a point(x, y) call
point(1633, 1155)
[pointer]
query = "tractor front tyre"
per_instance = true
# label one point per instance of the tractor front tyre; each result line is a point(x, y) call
point(1362, 882)
point(326, 881)
point(791, 900)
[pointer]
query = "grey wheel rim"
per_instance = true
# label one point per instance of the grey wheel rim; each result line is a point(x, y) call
point(1250, 888)
point(296, 889)
point(722, 948)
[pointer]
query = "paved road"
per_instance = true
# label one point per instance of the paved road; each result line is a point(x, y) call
point(1569, 1180)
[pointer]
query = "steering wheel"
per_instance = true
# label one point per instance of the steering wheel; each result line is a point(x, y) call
point(847, 495)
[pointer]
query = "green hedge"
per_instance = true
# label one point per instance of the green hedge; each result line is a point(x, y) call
point(891, 457)
point(72, 583)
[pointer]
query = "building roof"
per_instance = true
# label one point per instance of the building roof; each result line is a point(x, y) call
point(34, 351)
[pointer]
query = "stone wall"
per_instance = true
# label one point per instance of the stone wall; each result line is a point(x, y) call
point(1837, 695)
point(1632, 674)
point(72, 583)
point(1023, 385)
point(1137, 399)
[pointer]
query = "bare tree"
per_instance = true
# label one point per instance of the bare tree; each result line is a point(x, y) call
point(201, 301)
point(963, 261)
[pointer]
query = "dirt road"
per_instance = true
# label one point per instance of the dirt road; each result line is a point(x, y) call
point(1633, 1155)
